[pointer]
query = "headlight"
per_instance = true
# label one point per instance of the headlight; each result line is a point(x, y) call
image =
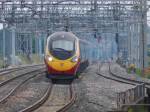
point(49, 58)
point(74, 59)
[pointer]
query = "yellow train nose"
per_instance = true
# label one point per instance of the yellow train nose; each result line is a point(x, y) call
point(62, 65)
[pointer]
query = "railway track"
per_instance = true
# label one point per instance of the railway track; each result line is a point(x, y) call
point(135, 82)
point(8, 87)
point(15, 94)
point(120, 79)
point(111, 76)
point(7, 77)
point(59, 98)
point(127, 98)
point(9, 70)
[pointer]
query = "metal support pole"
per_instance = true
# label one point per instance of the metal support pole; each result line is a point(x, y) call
point(143, 38)
point(40, 47)
point(31, 49)
point(130, 46)
point(13, 46)
point(4, 46)
point(143, 55)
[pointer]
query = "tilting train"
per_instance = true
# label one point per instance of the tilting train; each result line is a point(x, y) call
point(66, 55)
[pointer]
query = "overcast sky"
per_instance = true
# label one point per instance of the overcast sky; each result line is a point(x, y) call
point(148, 18)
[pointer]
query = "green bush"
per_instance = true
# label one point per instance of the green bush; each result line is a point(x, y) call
point(128, 70)
point(35, 59)
point(1, 63)
point(138, 109)
point(130, 110)
point(138, 72)
point(24, 59)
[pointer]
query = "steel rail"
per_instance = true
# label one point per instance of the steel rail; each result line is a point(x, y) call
point(11, 79)
point(9, 70)
point(21, 66)
point(114, 78)
point(39, 102)
point(18, 85)
point(120, 79)
point(47, 94)
point(147, 85)
point(71, 102)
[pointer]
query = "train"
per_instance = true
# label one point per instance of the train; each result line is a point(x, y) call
point(66, 55)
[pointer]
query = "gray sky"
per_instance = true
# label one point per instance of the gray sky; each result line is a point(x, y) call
point(1, 26)
point(148, 15)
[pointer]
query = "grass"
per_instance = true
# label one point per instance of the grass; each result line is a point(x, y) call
point(128, 71)
point(24, 59)
point(35, 59)
point(139, 73)
point(138, 109)
point(147, 75)
point(130, 110)
point(1, 62)
point(78, 74)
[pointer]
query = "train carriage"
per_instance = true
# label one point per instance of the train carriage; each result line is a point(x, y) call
point(66, 55)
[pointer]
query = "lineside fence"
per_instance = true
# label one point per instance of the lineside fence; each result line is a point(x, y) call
point(131, 96)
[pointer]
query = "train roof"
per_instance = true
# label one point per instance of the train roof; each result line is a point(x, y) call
point(70, 35)
point(62, 33)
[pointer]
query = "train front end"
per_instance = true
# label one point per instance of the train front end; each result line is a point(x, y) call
point(62, 55)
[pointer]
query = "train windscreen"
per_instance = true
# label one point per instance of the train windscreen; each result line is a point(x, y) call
point(63, 45)
point(62, 48)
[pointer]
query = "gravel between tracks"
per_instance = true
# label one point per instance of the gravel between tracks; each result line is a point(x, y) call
point(95, 93)
point(57, 99)
point(26, 95)
point(12, 74)
point(17, 67)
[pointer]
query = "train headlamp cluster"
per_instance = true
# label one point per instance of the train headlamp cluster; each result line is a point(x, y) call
point(50, 58)
point(74, 59)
